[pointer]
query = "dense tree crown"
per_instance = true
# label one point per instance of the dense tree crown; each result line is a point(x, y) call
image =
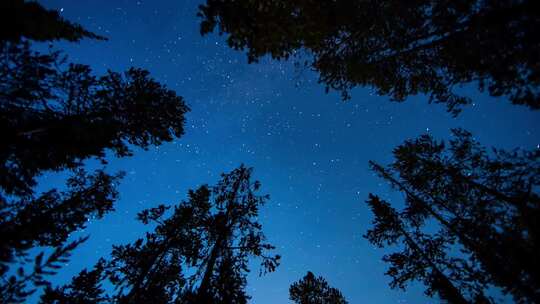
point(470, 220)
point(400, 48)
point(53, 116)
point(197, 254)
point(85, 288)
point(315, 290)
point(28, 19)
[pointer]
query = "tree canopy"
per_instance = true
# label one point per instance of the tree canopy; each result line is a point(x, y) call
point(314, 290)
point(469, 223)
point(197, 254)
point(54, 115)
point(30, 20)
point(399, 48)
point(85, 288)
point(55, 118)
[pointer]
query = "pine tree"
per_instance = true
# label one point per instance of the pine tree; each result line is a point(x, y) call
point(399, 48)
point(422, 258)
point(200, 253)
point(55, 115)
point(54, 119)
point(462, 198)
point(48, 219)
point(85, 288)
point(315, 290)
point(23, 19)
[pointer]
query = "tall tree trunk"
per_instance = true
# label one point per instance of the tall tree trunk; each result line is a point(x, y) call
point(480, 250)
point(445, 288)
point(224, 224)
point(140, 285)
point(203, 294)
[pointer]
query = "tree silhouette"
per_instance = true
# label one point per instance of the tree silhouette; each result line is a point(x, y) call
point(423, 257)
point(47, 220)
point(462, 198)
point(28, 19)
point(54, 119)
point(399, 48)
point(198, 254)
point(315, 290)
point(54, 116)
point(85, 288)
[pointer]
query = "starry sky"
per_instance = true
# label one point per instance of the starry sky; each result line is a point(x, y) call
point(309, 149)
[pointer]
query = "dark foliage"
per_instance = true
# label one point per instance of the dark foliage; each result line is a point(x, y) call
point(85, 288)
point(400, 48)
point(48, 219)
point(28, 19)
point(470, 220)
point(315, 290)
point(16, 287)
point(198, 254)
point(53, 116)
point(54, 119)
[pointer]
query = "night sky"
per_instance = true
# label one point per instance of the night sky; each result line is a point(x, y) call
point(309, 149)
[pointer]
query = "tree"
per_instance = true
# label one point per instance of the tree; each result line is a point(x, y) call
point(199, 254)
point(28, 19)
point(423, 257)
point(47, 220)
point(315, 290)
point(85, 288)
point(398, 48)
point(53, 117)
point(462, 198)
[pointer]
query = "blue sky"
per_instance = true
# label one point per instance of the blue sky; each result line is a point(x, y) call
point(309, 149)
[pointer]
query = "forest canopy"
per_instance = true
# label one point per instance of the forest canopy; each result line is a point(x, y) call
point(399, 48)
point(470, 221)
point(465, 222)
point(54, 115)
point(198, 253)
